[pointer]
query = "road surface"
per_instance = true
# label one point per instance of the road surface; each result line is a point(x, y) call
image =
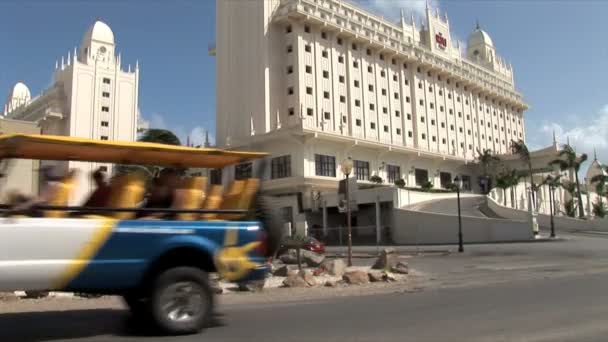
point(511, 292)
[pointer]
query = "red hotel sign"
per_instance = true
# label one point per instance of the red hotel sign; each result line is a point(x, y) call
point(441, 40)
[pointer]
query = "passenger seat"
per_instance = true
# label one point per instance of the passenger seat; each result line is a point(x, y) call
point(189, 195)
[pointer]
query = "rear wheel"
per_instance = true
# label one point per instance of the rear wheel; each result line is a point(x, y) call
point(181, 301)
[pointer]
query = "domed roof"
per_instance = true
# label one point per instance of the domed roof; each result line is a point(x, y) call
point(479, 37)
point(99, 31)
point(594, 169)
point(20, 91)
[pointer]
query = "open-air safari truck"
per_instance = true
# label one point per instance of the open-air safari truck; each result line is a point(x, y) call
point(159, 265)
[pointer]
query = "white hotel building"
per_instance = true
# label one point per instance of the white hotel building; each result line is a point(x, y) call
point(316, 81)
point(93, 95)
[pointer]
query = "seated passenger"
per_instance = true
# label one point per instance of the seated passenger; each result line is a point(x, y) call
point(162, 191)
point(101, 194)
point(52, 181)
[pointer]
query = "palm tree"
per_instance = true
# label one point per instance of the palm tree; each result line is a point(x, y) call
point(572, 162)
point(520, 149)
point(553, 182)
point(601, 185)
point(505, 180)
point(487, 159)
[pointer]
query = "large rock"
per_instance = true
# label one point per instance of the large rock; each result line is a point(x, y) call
point(252, 286)
point(294, 280)
point(400, 267)
point(331, 283)
point(356, 277)
point(282, 271)
point(375, 276)
point(335, 267)
point(388, 277)
point(388, 258)
point(290, 257)
point(311, 259)
point(308, 278)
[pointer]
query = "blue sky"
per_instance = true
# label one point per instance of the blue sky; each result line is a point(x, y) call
point(556, 47)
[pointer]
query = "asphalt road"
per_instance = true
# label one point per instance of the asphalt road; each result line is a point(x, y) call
point(550, 291)
point(566, 309)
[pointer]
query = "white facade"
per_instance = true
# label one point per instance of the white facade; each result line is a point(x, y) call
point(317, 81)
point(92, 96)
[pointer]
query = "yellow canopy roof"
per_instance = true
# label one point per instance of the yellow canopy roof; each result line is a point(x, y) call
point(51, 147)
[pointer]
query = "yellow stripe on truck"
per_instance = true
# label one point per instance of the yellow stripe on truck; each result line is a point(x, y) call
point(86, 253)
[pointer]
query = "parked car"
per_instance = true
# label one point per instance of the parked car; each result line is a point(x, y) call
point(310, 244)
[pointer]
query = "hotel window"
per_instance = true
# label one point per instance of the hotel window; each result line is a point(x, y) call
point(382, 73)
point(443, 141)
point(404, 65)
point(324, 53)
point(372, 125)
point(445, 179)
point(371, 87)
point(372, 106)
point(105, 109)
point(290, 91)
point(354, 46)
point(460, 129)
point(340, 59)
point(409, 134)
point(407, 99)
point(418, 69)
point(384, 110)
point(458, 99)
point(407, 82)
point(356, 84)
point(451, 111)
point(289, 48)
point(325, 74)
point(289, 69)
point(344, 118)
point(422, 119)
point(104, 137)
point(370, 69)
point(309, 111)
point(442, 125)
point(393, 172)
point(489, 126)
point(358, 122)
point(409, 116)
point(306, 28)
point(432, 105)
point(383, 91)
point(468, 131)
point(432, 122)
point(355, 64)
point(466, 101)
point(441, 108)
point(461, 145)
point(291, 111)
point(357, 103)
point(449, 96)
point(481, 122)
point(323, 34)
point(381, 57)
point(106, 81)
point(430, 89)
point(396, 95)
point(327, 115)
point(339, 41)
point(326, 94)
point(280, 167)
point(325, 165)
point(288, 29)
point(451, 127)
point(341, 79)
point(395, 78)
point(308, 69)
point(342, 98)
point(309, 90)
point(470, 147)
point(495, 126)
point(397, 113)
point(423, 136)
point(419, 85)
point(369, 52)
point(440, 92)
point(398, 131)
point(429, 74)
point(422, 176)
point(459, 114)
point(385, 128)
point(361, 169)
point(307, 48)
point(105, 124)
point(105, 94)
point(422, 102)
point(468, 117)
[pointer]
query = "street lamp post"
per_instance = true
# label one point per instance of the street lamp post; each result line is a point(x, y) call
point(347, 167)
point(551, 203)
point(458, 184)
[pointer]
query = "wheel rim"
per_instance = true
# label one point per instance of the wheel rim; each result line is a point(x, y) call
point(183, 301)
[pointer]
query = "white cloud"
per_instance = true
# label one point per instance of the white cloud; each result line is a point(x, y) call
point(392, 8)
point(584, 135)
point(157, 121)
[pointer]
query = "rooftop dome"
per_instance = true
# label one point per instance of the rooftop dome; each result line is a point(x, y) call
point(20, 91)
point(100, 32)
point(479, 37)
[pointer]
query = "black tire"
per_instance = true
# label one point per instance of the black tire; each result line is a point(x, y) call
point(266, 211)
point(189, 290)
point(138, 305)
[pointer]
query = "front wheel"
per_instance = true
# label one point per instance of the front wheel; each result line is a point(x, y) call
point(181, 301)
